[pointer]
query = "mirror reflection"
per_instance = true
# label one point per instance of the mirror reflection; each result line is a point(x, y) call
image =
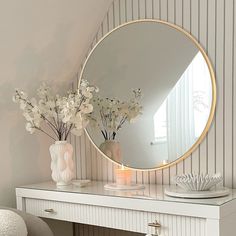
point(155, 94)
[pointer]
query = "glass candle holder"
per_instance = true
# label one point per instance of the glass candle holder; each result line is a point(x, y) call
point(123, 176)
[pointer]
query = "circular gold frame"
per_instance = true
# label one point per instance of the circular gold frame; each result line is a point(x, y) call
point(213, 82)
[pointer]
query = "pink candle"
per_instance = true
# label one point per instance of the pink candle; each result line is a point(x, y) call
point(123, 176)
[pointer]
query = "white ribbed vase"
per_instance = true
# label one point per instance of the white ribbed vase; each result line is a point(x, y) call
point(62, 164)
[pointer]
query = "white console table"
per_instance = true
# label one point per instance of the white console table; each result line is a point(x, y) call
point(131, 210)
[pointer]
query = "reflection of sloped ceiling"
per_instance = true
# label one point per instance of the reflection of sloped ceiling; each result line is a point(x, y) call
point(149, 56)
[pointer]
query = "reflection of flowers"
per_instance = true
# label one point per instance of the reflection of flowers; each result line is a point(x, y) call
point(110, 114)
point(199, 98)
point(62, 114)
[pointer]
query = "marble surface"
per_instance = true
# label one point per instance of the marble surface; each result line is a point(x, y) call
point(151, 192)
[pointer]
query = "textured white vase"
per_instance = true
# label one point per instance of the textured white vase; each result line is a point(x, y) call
point(112, 149)
point(62, 164)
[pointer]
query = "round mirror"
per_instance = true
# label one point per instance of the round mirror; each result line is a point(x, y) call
point(156, 96)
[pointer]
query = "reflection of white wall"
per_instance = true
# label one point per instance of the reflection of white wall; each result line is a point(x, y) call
point(137, 149)
point(136, 54)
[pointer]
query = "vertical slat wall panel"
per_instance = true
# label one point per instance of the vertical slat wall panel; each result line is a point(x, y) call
point(211, 49)
point(179, 21)
point(172, 19)
point(164, 16)
point(219, 70)
point(203, 5)
point(212, 23)
point(228, 93)
point(234, 98)
point(186, 24)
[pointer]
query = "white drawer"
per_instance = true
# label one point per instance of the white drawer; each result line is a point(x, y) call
point(135, 221)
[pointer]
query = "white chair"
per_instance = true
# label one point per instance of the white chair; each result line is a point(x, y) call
point(34, 225)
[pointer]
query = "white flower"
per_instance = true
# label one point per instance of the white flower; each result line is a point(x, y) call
point(23, 104)
point(23, 95)
point(33, 101)
point(66, 118)
point(16, 97)
point(87, 108)
point(84, 83)
point(77, 132)
point(44, 91)
point(110, 114)
point(30, 128)
point(27, 116)
point(50, 104)
point(87, 93)
point(61, 114)
point(77, 120)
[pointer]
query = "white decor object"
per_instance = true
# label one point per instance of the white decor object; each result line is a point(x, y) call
point(132, 186)
point(112, 149)
point(197, 182)
point(81, 182)
point(123, 210)
point(182, 193)
point(62, 164)
point(61, 115)
point(11, 224)
point(123, 176)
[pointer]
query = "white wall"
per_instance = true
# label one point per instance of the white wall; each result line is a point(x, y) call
point(40, 41)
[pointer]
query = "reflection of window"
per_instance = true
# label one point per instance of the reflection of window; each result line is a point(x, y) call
point(185, 112)
point(160, 123)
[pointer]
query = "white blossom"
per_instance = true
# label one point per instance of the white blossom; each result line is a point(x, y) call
point(62, 114)
point(110, 114)
point(77, 132)
point(87, 108)
point(30, 128)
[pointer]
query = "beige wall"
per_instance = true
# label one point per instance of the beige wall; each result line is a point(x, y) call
point(40, 41)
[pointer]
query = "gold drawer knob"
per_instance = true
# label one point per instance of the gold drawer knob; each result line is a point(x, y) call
point(49, 210)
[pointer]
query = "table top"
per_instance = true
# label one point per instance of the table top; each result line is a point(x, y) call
point(150, 192)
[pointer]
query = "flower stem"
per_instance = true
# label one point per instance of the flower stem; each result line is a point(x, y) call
point(48, 122)
point(66, 135)
point(45, 133)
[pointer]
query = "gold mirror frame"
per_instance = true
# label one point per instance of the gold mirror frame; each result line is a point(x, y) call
point(213, 82)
